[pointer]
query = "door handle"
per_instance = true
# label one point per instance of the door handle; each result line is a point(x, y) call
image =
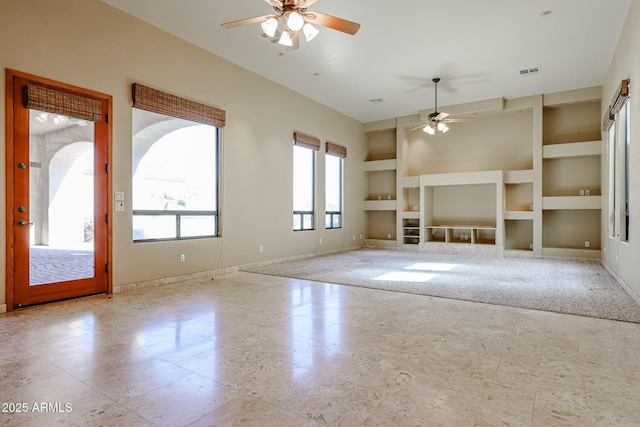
point(22, 223)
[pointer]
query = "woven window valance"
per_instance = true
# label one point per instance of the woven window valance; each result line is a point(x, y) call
point(156, 101)
point(336, 150)
point(306, 141)
point(66, 104)
point(619, 99)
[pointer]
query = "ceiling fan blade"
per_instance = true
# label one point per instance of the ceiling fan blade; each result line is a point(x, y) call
point(457, 120)
point(296, 41)
point(247, 21)
point(274, 39)
point(417, 127)
point(275, 3)
point(303, 4)
point(441, 116)
point(332, 22)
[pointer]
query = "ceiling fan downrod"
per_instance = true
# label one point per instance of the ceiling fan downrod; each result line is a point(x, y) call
point(436, 80)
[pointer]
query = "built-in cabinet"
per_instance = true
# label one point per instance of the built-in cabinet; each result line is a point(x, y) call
point(538, 194)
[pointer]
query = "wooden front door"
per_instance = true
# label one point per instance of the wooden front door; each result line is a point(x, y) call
point(57, 191)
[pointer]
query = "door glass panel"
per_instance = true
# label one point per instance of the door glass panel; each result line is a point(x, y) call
point(61, 202)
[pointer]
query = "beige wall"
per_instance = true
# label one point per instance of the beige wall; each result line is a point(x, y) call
point(494, 140)
point(92, 45)
point(626, 65)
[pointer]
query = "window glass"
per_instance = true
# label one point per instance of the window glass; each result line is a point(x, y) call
point(175, 178)
point(627, 140)
point(612, 181)
point(333, 188)
point(303, 188)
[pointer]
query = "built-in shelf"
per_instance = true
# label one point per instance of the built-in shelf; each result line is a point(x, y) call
point(380, 205)
point(572, 149)
point(571, 202)
point(471, 234)
point(518, 215)
point(380, 165)
point(518, 177)
point(411, 215)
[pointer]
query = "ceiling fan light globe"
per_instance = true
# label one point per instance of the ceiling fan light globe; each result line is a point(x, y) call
point(310, 32)
point(442, 127)
point(270, 26)
point(429, 130)
point(295, 21)
point(285, 39)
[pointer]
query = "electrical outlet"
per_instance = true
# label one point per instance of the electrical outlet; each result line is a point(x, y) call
point(321, 240)
point(354, 237)
point(261, 248)
point(582, 192)
point(587, 192)
point(586, 244)
point(182, 258)
point(530, 245)
point(388, 236)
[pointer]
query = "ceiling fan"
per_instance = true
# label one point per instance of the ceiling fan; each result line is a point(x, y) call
point(437, 121)
point(292, 16)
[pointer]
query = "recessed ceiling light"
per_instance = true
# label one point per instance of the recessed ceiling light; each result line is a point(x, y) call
point(546, 13)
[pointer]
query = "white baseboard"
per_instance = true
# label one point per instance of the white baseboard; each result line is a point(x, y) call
point(622, 283)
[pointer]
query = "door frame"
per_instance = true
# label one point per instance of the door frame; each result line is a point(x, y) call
point(10, 77)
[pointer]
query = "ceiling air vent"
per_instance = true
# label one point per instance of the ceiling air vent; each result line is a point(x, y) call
point(376, 100)
point(530, 71)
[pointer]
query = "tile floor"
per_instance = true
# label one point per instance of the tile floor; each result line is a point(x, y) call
point(252, 350)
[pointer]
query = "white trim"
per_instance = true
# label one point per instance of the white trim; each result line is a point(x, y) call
point(622, 283)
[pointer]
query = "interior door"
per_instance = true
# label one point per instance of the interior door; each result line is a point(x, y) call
point(58, 208)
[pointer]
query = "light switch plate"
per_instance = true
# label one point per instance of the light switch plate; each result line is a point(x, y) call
point(119, 195)
point(119, 206)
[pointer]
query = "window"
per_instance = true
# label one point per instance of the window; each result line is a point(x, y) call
point(617, 122)
point(334, 185)
point(625, 124)
point(303, 188)
point(612, 181)
point(176, 167)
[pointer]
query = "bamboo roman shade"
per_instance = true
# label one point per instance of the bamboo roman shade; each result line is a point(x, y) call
point(306, 141)
point(619, 99)
point(156, 101)
point(336, 150)
point(64, 103)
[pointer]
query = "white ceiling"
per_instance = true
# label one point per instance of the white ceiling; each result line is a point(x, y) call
point(476, 47)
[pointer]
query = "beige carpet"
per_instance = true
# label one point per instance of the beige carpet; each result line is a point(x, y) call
point(581, 287)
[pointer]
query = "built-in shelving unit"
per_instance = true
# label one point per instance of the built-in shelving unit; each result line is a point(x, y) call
point(411, 231)
point(571, 189)
point(518, 209)
point(538, 194)
point(381, 167)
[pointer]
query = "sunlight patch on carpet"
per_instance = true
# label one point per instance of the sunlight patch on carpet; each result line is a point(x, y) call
point(405, 276)
point(431, 266)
